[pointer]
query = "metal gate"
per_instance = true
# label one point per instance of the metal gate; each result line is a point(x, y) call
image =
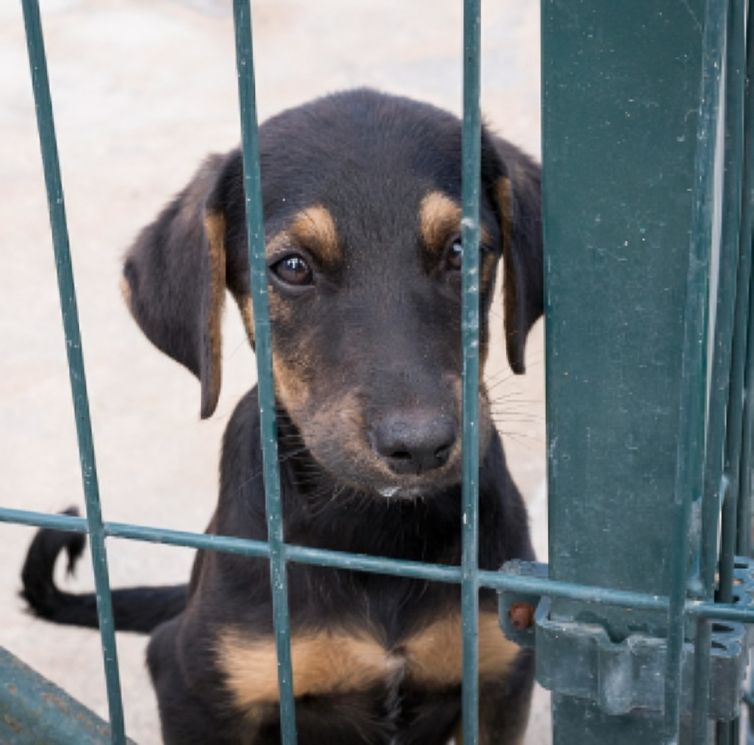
point(640, 618)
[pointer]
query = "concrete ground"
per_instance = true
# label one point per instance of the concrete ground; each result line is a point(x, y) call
point(142, 90)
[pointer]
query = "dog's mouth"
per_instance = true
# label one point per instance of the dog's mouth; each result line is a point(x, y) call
point(361, 471)
point(395, 492)
point(348, 470)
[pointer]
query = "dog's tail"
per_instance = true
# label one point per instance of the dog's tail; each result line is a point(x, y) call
point(139, 609)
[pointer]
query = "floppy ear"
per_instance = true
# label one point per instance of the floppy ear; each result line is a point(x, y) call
point(517, 194)
point(175, 275)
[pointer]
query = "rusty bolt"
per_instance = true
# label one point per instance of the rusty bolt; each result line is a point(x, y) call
point(522, 615)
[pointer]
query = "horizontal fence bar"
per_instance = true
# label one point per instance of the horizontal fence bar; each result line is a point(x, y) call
point(377, 565)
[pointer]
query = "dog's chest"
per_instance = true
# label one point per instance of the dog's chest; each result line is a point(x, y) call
point(335, 662)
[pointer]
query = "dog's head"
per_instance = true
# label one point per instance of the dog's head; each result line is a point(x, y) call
point(362, 207)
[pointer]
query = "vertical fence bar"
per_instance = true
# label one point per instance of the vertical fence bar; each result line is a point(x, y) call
point(715, 482)
point(48, 145)
point(689, 475)
point(727, 732)
point(258, 269)
point(746, 236)
point(732, 456)
point(743, 522)
point(470, 311)
point(726, 293)
point(700, 712)
point(734, 106)
point(738, 441)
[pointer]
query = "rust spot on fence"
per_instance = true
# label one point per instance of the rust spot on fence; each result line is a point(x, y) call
point(522, 615)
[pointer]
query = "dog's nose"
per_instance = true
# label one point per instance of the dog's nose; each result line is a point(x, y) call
point(414, 443)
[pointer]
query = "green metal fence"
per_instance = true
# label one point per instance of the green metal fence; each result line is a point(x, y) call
point(643, 184)
point(648, 212)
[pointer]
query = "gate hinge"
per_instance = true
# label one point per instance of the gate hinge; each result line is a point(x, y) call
point(579, 659)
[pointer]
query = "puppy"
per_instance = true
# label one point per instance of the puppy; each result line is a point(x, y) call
point(361, 195)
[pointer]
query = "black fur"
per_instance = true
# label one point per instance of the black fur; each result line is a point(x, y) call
point(368, 361)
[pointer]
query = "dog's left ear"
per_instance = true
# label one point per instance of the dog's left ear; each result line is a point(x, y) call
point(513, 181)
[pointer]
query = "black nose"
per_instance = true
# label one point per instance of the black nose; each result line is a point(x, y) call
point(411, 443)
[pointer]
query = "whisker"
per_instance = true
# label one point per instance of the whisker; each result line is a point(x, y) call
point(517, 416)
point(513, 435)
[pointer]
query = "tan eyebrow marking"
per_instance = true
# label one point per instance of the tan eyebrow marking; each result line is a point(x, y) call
point(314, 228)
point(439, 216)
point(439, 220)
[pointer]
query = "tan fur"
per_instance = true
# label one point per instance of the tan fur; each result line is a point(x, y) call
point(278, 243)
point(487, 273)
point(314, 229)
point(504, 199)
point(329, 662)
point(487, 269)
point(323, 662)
point(214, 224)
point(125, 290)
point(503, 193)
point(439, 218)
point(440, 221)
point(280, 308)
point(290, 384)
point(340, 420)
point(246, 307)
point(435, 655)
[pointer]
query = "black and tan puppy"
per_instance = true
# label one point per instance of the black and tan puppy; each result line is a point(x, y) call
point(362, 218)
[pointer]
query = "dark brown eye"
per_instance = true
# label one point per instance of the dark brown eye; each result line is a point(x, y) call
point(293, 270)
point(455, 255)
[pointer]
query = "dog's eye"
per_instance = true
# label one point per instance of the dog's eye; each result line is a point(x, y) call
point(455, 255)
point(293, 270)
point(454, 258)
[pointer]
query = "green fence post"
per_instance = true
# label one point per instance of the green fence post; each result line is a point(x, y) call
point(624, 194)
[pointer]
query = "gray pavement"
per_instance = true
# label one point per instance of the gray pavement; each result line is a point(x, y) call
point(142, 90)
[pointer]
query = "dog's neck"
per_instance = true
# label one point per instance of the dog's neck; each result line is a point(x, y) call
point(321, 512)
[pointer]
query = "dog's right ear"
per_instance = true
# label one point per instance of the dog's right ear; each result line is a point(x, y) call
point(175, 274)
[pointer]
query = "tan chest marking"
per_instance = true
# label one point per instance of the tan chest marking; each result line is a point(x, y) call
point(435, 654)
point(323, 663)
point(329, 662)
